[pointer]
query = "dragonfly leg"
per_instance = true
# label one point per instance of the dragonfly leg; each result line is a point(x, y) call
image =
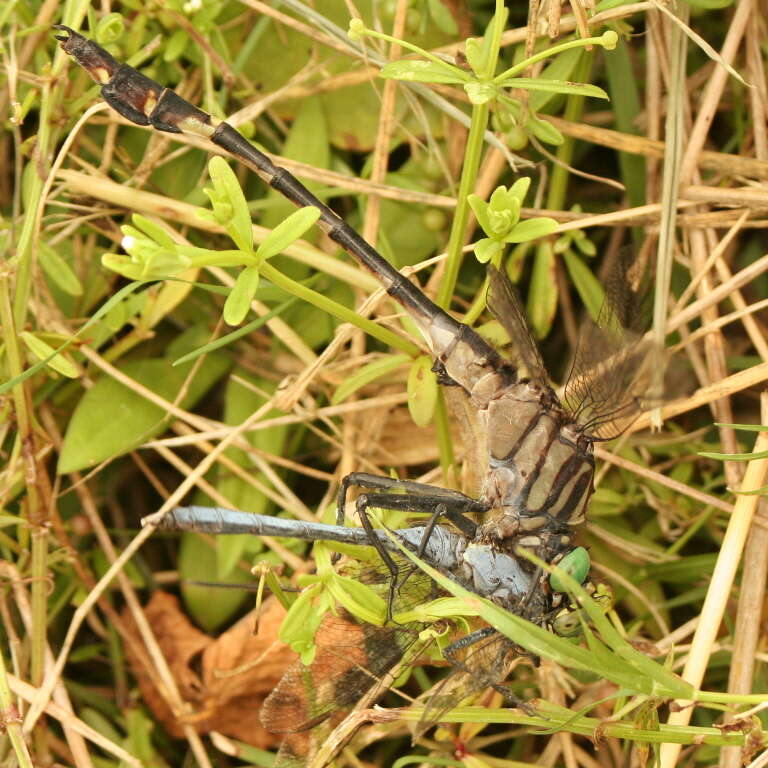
point(423, 499)
point(440, 511)
point(437, 504)
point(449, 653)
point(362, 512)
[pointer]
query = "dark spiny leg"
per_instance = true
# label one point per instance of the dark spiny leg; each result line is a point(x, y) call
point(440, 511)
point(409, 503)
point(425, 497)
point(362, 513)
point(469, 640)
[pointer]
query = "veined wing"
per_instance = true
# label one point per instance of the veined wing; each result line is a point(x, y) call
point(505, 306)
point(612, 370)
point(352, 659)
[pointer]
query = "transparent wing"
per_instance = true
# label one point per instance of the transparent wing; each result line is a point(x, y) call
point(613, 367)
point(507, 309)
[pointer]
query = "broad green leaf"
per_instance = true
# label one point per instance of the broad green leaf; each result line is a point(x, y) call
point(44, 351)
point(587, 285)
point(153, 231)
point(520, 188)
point(531, 229)
point(302, 620)
point(419, 71)
point(58, 270)
point(607, 5)
point(112, 419)
point(229, 203)
point(480, 93)
point(367, 374)
point(175, 45)
point(708, 5)
point(422, 391)
point(442, 17)
point(243, 395)
point(358, 598)
point(542, 295)
point(487, 249)
point(288, 231)
point(197, 560)
point(627, 105)
point(307, 142)
point(544, 131)
point(240, 297)
point(480, 209)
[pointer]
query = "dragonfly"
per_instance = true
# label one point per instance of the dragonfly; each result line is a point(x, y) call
point(538, 451)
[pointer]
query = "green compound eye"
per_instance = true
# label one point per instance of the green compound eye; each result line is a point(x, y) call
point(566, 623)
point(575, 564)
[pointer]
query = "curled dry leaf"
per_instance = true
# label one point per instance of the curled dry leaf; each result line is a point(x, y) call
point(224, 679)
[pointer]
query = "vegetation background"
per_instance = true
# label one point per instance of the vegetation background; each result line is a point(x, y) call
point(122, 394)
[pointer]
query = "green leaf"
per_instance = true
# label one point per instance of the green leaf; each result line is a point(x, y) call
point(44, 351)
point(709, 5)
point(587, 285)
point(197, 561)
point(542, 296)
point(302, 620)
point(153, 231)
point(58, 270)
point(480, 209)
point(243, 395)
point(112, 419)
point(288, 231)
point(544, 131)
point(366, 374)
point(555, 86)
point(229, 204)
point(419, 71)
point(442, 17)
point(561, 67)
point(422, 391)
point(358, 598)
point(531, 229)
point(176, 45)
point(474, 50)
point(487, 249)
point(240, 297)
point(480, 93)
point(519, 189)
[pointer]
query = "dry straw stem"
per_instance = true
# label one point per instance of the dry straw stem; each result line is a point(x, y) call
point(721, 584)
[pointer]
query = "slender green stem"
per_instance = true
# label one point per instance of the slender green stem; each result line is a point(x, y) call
point(339, 311)
point(452, 70)
point(472, 155)
point(11, 719)
point(39, 603)
point(608, 40)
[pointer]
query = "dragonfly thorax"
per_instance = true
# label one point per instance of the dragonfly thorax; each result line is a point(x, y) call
point(540, 471)
point(502, 578)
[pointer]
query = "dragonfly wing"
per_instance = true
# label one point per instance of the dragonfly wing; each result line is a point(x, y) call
point(351, 660)
point(506, 308)
point(486, 664)
point(614, 364)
